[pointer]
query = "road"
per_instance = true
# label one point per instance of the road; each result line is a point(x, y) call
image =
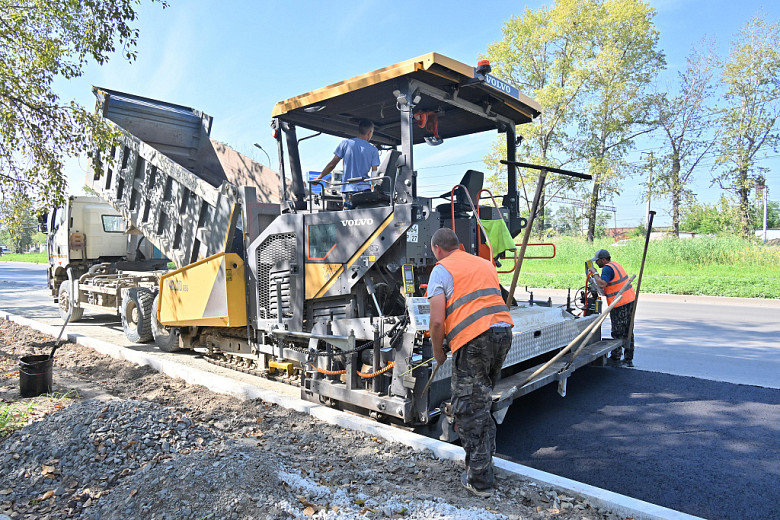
point(695, 427)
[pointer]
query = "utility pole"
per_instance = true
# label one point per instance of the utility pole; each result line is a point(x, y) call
point(766, 189)
point(762, 188)
point(649, 191)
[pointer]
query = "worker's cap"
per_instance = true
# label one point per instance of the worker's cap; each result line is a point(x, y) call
point(601, 253)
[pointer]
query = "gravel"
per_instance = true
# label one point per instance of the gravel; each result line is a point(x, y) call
point(130, 443)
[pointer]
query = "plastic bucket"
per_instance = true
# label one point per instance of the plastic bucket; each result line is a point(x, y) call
point(35, 375)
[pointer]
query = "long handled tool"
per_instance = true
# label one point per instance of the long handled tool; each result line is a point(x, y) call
point(428, 384)
point(72, 298)
point(586, 332)
point(627, 341)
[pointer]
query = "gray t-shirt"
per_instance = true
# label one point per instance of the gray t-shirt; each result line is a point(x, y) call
point(441, 281)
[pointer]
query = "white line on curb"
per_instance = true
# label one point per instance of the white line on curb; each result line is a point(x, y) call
point(621, 504)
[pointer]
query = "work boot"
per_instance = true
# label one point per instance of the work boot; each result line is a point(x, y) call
point(627, 363)
point(613, 361)
point(482, 493)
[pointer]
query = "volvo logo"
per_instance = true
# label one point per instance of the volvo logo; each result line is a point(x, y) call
point(357, 222)
point(498, 84)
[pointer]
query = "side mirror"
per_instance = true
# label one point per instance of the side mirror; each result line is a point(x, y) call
point(43, 218)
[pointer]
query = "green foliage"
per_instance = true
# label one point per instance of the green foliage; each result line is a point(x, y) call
point(18, 221)
point(41, 40)
point(719, 218)
point(29, 258)
point(747, 126)
point(587, 63)
point(618, 104)
point(639, 231)
point(772, 214)
point(546, 54)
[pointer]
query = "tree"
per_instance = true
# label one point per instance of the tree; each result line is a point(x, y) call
point(545, 54)
point(18, 219)
point(711, 219)
point(616, 112)
point(684, 122)
point(747, 125)
point(41, 40)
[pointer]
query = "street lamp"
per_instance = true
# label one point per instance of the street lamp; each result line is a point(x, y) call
point(266, 154)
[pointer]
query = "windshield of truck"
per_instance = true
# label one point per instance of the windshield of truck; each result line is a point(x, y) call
point(113, 224)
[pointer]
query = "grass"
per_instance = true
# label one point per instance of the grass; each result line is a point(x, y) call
point(30, 258)
point(714, 266)
point(13, 416)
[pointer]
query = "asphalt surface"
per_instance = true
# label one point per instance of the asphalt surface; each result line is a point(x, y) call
point(706, 448)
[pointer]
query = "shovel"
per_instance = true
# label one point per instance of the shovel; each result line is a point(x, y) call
point(70, 313)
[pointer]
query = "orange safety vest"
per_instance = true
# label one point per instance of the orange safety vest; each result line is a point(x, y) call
point(619, 279)
point(476, 301)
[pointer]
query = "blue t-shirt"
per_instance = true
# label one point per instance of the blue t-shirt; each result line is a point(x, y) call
point(607, 273)
point(359, 157)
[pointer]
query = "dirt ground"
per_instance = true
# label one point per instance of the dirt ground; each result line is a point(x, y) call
point(356, 464)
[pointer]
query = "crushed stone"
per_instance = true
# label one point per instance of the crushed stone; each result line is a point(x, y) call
point(119, 441)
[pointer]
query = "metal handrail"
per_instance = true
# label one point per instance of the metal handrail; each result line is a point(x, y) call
point(514, 257)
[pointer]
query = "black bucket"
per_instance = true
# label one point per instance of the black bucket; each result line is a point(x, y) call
point(35, 375)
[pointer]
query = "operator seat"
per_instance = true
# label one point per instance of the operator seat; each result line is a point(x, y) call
point(383, 191)
point(472, 180)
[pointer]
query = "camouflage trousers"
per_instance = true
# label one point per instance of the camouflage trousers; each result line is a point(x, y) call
point(476, 367)
point(621, 320)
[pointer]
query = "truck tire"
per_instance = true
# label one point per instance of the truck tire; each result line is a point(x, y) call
point(166, 338)
point(136, 314)
point(64, 303)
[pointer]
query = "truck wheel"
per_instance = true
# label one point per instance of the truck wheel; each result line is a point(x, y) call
point(166, 338)
point(64, 303)
point(136, 314)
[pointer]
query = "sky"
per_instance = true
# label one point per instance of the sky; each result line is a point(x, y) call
point(234, 60)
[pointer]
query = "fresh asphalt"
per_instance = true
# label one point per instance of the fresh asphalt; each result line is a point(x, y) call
point(704, 447)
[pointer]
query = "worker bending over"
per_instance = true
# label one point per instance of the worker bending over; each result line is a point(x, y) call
point(612, 278)
point(467, 308)
point(360, 158)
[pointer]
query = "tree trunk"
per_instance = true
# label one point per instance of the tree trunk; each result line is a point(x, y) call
point(743, 192)
point(676, 196)
point(540, 216)
point(592, 206)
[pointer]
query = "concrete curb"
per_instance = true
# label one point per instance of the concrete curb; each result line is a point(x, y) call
point(627, 506)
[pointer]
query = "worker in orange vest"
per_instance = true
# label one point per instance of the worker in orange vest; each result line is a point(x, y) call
point(467, 310)
point(612, 278)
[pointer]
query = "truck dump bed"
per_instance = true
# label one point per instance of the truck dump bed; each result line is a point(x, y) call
point(170, 180)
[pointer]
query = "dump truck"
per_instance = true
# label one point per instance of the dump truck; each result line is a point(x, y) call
point(110, 259)
point(305, 291)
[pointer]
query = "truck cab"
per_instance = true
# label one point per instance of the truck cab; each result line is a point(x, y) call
point(83, 232)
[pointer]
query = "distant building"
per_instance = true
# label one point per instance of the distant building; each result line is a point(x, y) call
point(771, 234)
point(620, 233)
